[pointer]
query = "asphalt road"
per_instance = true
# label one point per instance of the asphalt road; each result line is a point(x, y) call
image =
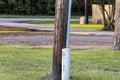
point(46, 40)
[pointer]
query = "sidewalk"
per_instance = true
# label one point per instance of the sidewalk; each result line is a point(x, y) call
point(92, 32)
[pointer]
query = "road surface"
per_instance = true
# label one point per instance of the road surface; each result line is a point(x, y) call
point(79, 39)
point(46, 40)
point(16, 22)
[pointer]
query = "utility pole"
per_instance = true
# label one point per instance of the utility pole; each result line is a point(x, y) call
point(86, 11)
point(61, 20)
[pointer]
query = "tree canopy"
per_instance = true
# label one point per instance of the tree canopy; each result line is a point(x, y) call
point(41, 7)
point(38, 7)
point(27, 7)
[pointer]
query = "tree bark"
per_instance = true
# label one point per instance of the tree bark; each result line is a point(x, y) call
point(86, 11)
point(108, 14)
point(61, 19)
point(117, 26)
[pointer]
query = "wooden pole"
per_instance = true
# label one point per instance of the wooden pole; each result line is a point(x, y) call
point(61, 19)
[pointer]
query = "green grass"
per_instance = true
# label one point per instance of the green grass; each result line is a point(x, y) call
point(95, 65)
point(87, 26)
point(74, 24)
point(24, 63)
point(32, 63)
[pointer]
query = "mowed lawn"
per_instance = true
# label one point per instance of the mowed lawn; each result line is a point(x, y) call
point(74, 25)
point(33, 63)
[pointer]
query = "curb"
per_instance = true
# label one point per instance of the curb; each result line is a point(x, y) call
point(92, 34)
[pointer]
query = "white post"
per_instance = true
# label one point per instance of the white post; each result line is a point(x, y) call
point(66, 51)
point(66, 64)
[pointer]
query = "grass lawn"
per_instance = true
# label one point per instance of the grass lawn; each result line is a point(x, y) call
point(32, 63)
point(74, 24)
point(24, 63)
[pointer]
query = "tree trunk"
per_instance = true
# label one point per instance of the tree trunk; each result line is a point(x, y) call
point(102, 8)
point(86, 12)
point(117, 27)
point(61, 19)
point(108, 15)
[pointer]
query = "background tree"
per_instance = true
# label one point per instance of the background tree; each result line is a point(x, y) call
point(39, 7)
point(108, 15)
point(117, 26)
point(86, 11)
point(78, 7)
point(28, 7)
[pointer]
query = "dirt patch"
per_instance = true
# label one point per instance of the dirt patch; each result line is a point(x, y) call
point(8, 28)
point(25, 33)
point(47, 77)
